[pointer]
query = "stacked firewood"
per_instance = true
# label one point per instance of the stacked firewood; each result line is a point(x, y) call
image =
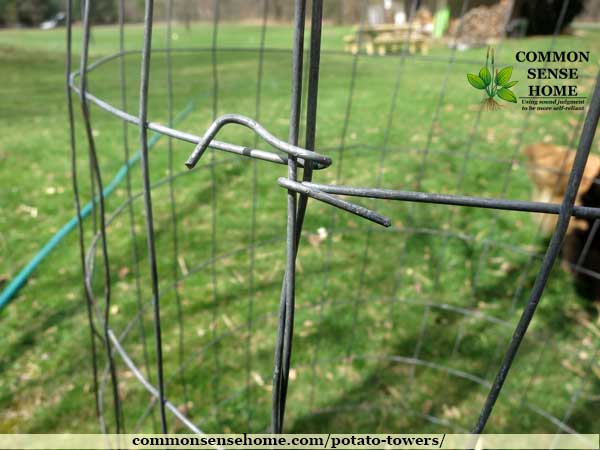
point(481, 25)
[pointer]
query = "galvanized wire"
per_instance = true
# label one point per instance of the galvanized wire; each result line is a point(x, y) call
point(264, 12)
point(145, 165)
point(310, 157)
point(174, 224)
point(213, 199)
point(285, 328)
point(585, 143)
point(97, 179)
point(74, 177)
point(509, 164)
point(132, 230)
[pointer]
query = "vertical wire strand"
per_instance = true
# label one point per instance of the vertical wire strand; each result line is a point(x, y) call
point(566, 209)
point(213, 203)
point(520, 285)
point(100, 198)
point(523, 278)
point(588, 244)
point(311, 106)
point(517, 294)
point(132, 231)
point(286, 307)
point(74, 178)
point(173, 209)
point(338, 179)
point(296, 230)
point(252, 249)
point(311, 110)
point(545, 348)
point(82, 6)
point(147, 190)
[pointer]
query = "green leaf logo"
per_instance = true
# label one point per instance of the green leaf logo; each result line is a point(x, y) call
point(486, 76)
point(507, 94)
point(494, 86)
point(475, 81)
point(503, 77)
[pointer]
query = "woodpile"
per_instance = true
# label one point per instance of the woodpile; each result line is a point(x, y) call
point(481, 25)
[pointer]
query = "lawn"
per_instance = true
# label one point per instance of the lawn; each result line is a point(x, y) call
point(396, 329)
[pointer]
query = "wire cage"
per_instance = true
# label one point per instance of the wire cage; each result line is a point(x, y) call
point(356, 206)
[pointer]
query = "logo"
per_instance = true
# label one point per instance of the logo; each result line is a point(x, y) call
point(494, 86)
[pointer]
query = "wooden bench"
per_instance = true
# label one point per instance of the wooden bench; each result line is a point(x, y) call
point(385, 39)
point(351, 44)
point(388, 43)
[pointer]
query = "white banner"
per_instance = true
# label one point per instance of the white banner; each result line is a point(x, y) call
point(299, 441)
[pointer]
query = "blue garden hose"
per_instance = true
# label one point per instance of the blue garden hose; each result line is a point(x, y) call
point(17, 282)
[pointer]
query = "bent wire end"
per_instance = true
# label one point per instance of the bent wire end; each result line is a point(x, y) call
point(291, 150)
point(352, 208)
point(197, 153)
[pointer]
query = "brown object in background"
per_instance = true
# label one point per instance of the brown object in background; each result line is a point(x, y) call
point(549, 169)
point(481, 25)
point(423, 20)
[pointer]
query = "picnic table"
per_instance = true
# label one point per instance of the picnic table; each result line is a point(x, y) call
point(386, 38)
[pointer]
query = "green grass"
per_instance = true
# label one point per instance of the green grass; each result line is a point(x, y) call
point(369, 303)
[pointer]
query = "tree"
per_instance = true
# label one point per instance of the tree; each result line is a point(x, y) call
point(27, 12)
point(104, 11)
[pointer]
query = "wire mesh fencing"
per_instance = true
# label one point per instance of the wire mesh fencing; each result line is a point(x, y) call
point(400, 311)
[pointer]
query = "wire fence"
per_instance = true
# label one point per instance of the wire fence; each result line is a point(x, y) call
point(181, 310)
